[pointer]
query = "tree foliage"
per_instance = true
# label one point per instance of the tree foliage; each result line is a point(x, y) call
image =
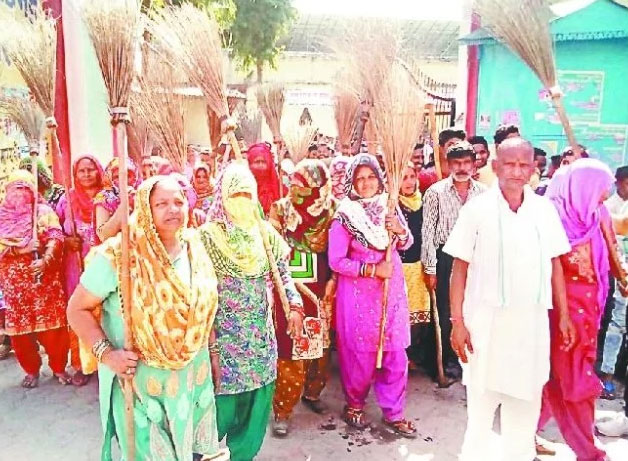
point(258, 27)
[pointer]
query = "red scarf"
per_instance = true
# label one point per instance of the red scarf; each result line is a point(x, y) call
point(82, 203)
point(268, 180)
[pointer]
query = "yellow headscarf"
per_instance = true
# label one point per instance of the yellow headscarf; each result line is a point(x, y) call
point(171, 320)
point(231, 235)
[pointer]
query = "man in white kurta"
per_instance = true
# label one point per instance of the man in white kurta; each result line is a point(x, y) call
point(505, 243)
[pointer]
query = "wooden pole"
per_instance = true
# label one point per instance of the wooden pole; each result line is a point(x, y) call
point(442, 380)
point(51, 124)
point(392, 205)
point(119, 120)
point(431, 113)
point(557, 100)
point(34, 153)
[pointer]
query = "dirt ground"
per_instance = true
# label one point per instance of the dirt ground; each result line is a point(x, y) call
point(62, 423)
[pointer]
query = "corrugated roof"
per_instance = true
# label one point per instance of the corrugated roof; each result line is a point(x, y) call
point(564, 28)
point(425, 39)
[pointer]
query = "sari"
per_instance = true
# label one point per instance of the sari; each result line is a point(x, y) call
point(268, 183)
point(109, 197)
point(573, 386)
point(173, 308)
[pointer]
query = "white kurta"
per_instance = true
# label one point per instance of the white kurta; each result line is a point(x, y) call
point(508, 290)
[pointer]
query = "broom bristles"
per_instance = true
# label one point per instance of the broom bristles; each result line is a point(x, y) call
point(398, 121)
point(524, 27)
point(368, 55)
point(270, 99)
point(162, 109)
point(346, 106)
point(26, 114)
point(192, 40)
point(298, 139)
point(113, 27)
point(29, 39)
point(251, 127)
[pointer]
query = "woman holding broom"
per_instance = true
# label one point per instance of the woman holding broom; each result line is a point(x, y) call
point(245, 335)
point(88, 181)
point(303, 218)
point(173, 305)
point(32, 286)
point(358, 239)
point(410, 203)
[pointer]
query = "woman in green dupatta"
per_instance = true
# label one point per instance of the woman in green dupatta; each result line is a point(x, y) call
point(174, 296)
point(50, 191)
point(245, 335)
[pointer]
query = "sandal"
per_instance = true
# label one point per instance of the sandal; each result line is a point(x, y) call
point(5, 350)
point(30, 381)
point(355, 417)
point(544, 451)
point(403, 427)
point(79, 379)
point(63, 378)
point(608, 391)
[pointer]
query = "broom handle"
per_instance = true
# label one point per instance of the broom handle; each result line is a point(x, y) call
point(35, 169)
point(434, 135)
point(382, 323)
point(67, 185)
point(305, 291)
point(442, 381)
point(274, 270)
point(119, 145)
point(557, 100)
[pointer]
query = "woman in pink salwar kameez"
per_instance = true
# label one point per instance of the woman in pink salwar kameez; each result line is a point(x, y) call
point(358, 238)
point(88, 174)
point(569, 396)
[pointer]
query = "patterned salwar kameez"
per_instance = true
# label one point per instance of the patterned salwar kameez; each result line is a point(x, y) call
point(174, 406)
point(36, 308)
point(303, 218)
point(244, 329)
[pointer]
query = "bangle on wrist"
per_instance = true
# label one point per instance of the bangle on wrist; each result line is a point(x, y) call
point(213, 348)
point(298, 309)
point(100, 347)
point(454, 319)
point(373, 270)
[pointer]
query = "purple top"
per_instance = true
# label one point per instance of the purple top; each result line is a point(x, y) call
point(359, 299)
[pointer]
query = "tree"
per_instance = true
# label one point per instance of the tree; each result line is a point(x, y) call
point(258, 27)
point(223, 10)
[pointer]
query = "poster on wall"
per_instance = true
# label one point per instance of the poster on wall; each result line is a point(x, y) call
point(604, 141)
point(583, 93)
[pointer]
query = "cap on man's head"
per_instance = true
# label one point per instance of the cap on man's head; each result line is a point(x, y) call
point(459, 150)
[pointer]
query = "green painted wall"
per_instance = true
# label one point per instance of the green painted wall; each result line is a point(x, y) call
point(597, 102)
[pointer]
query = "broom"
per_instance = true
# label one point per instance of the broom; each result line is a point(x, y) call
point(524, 27)
point(251, 127)
point(113, 28)
point(397, 116)
point(298, 139)
point(29, 118)
point(192, 37)
point(30, 42)
point(162, 109)
point(346, 107)
point(270, 99)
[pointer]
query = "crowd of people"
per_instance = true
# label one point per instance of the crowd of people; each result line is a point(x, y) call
point(244, 277)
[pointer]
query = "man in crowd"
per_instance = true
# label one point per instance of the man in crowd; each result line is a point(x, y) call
point(486, 175)
point(617, 205)
point(480, 146)
point(540, 161)
point(441, 205)
point(504, 273)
